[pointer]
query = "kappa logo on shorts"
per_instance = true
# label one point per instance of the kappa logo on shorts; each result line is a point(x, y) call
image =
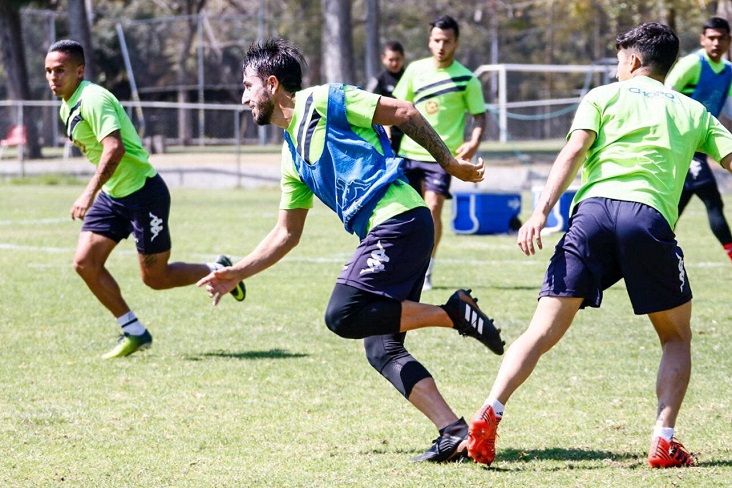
point(376, 261)
point(682, 272)
point(156, 225)
point(695, 168)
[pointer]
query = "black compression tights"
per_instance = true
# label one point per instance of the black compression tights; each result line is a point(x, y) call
point(355, 314)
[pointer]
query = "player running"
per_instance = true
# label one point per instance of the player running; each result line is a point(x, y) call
point(706, 77)
point(336, 149)
point(634, 140)
point(443, 90)
point(125, 195)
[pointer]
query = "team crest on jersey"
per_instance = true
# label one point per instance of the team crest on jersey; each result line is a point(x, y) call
point(432, 107)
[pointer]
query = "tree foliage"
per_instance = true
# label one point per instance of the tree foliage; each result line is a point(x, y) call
point(524, 31)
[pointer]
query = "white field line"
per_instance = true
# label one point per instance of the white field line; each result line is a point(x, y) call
point(342, 259)
point(56, 220)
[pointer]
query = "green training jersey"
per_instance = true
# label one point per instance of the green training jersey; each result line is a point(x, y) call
point(646, 137)
point(684, 75)
point(442, 96)
point(90, 115)
point(307, 131)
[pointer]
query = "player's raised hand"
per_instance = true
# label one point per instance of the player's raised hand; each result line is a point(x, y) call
point(530, 232)
point(219, 282)
point(466, 170)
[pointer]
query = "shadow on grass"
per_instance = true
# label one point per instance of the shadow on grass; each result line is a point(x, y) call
point(563, 454)
point(489, 287)
point(518, 459)
point(573, 459)
point(248, 355)
point(714, 464)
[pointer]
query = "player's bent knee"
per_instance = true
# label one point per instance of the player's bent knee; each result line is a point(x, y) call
point(354, 314)
point(343, 323)
point(84, 266)
point(155, 282)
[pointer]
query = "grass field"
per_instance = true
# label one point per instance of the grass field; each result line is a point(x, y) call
point(262, 394)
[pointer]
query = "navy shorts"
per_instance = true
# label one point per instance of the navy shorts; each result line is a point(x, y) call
point(612, 239)
point(425, 176)
point(144, 213)
point(392, 259)
point(700, 174)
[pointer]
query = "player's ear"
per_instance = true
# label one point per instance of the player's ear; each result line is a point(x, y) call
point(272, 84)
point(635, 62)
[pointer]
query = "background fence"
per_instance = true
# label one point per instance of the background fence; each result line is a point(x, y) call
point(163, 125)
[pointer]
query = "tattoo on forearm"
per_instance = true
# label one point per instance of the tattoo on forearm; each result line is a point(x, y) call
point(424, 135)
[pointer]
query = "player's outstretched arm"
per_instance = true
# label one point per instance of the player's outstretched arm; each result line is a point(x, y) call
point(281, 239)
point(563, 171)
point(390, 111)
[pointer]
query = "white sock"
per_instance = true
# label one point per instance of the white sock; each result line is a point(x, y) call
point(498, 407)
point(431, 265)
point(131, 324)
point(665, 432)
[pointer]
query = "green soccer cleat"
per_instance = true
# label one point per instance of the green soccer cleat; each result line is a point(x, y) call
point(240, 291)
point(127, 344)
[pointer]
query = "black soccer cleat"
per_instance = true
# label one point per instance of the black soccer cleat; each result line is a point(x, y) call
point(469, 320)
point(445, 447)
point(240, 290)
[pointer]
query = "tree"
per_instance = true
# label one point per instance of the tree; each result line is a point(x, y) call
point(80, 32)
point(372, 39)
point(13, 57)
point(337, 41)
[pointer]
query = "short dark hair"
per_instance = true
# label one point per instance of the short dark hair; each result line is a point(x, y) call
point(395, 46)
point(716, 23)
point(70, 47)
point(445, 22)
point(657, 45)
point(279, 58)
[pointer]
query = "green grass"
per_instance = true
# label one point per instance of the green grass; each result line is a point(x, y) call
point(262, 394)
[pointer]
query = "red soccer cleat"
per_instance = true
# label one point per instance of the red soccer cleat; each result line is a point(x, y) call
point(482, 436)
point(669, 454)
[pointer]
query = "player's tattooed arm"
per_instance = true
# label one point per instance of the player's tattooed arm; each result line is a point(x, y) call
point(390, 111)
point(423, 134)
point(404, 115)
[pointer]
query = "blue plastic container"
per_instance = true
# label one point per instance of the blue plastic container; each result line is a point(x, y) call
point(484, 213)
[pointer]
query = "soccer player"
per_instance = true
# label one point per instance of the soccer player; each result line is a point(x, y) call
point(634, 140)
point(707, 77)
point(383, 84)
point(443, 90)
point(124, 195)
point(336, 149)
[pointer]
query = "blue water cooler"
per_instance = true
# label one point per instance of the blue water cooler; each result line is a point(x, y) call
point(484, 213)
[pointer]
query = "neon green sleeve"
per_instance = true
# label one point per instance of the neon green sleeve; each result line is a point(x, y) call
point(100, 112)
point(360, 106)
point(718, 142)
point(474, 97)
point(588, 115)
point(684, 75)
point(404, 90)
point(295, 193)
